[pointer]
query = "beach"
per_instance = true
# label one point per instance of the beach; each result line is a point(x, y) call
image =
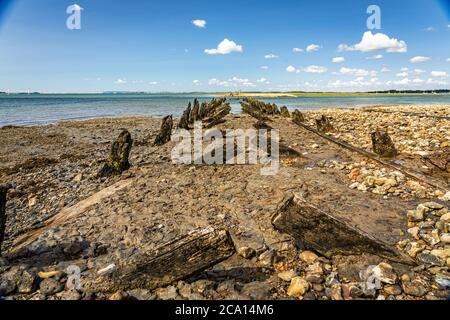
point(52, 168)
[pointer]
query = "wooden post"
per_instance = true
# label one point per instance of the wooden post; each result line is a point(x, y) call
point(165, 133)
point(3, 192)
point(177, 260)
point(118, 159)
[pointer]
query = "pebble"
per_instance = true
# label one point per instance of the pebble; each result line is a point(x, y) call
point(70, 295)
point(50, 287)
point(287, 275)
point(298, 287)
point(27, 282)
point(414, 288)
point(246, 252)
point(308, 257)
point(118, 296)
point(385, 273)
point(394, 290)
point(169, 293)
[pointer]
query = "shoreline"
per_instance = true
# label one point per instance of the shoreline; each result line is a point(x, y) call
point(360, 107)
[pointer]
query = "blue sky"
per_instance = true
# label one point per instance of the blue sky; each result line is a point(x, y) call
point(142, 45)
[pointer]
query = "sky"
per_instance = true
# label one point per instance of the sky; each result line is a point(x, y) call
point(215, 46)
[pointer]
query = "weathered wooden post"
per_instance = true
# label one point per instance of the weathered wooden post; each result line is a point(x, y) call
point(324, 124)
point(3, 191)
point(297, 117)
point(285, 112)
point(383, 144)
point(166, 131)
point(118, 160)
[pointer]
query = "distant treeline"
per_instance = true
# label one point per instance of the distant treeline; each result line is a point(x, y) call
point(413, 91)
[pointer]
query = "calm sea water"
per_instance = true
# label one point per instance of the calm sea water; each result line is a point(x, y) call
point(46, 109)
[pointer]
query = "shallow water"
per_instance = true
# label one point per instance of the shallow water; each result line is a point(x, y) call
point(46, 109)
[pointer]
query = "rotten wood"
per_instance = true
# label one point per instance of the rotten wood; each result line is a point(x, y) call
point(383, 144)
point(407, 172)
point(175, 261)
point(118, 159)
point(165, 133)
point(3, 192)
point(332, 232)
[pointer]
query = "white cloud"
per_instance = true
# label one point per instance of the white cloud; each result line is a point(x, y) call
point(153, 83)
point(225, 47)
point(291, 69)
point(430, 29)
point(439, 74)
point(263, 80)
point(199, 23)
point(297, 50)
point(196, 83)
point(419, 59)
point(233, 82)
point(402, 74)
point(385, 69)
point(437, 82)
point(312, 47)
point(418, 81)
point(264, 67)
point(375, 57)
point(338, 59)
point(270, 56)
point(120, 81)
point(448, 60)
point(373, 42)
point(314, 69)
point(419, 72)
point(356, 72)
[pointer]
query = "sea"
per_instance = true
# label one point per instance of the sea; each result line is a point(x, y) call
point(42, 109)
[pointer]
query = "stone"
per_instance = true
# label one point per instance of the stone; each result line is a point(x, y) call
point(445, 238)
point(7, 287)
point(414, 288)
point(324, 124)
point(267, 258)
point(351, 291)
point(246, 252)
point(50, 286)
point(118, 296)
point(165, 133)
point(385, 273)
point(120, 152)
point(394, 290)
point(414, 248)
point(308, 257)
point(50, 274)
point(169, 293)
point(415, 215)
point(414, 232)
point(429, 259)
point(442, 254)
point(257, 290)
point(445, 197)
point(287, 275)
point(446, 217)
point(433, 205)
point(432, 238)
point(70, 295)
point(27, 282)
point(383, 145)
point(335, 292)
point(78, 178)
point(298, 287)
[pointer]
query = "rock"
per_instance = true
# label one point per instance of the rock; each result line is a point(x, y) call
point(335, 292)
point(257, 290)
point(50, 287)
point(27, 282)
point(429, 259)
point(70, 295)
point(109, 269)
point(308, 257)
point(432, 238)
point(382, 144)
point(118, 296)
point(385, 273)
point(415, 215)
point(394, 290)
point(414, 248)
point(414, 232)
point(120, 152)
point(446, 217)
point(165, 133)
point(287, 275)
point(285, 112)
point(298, 287)
point(246, 252)
point(78, 178)
point(267, 258)
point(50, 274)
point(169, 293)
point(442, 254)
point(351, 291)
point(414, 288)
point(445, 238)
point(7, 287)
point(433, 205)
point(445, 197)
